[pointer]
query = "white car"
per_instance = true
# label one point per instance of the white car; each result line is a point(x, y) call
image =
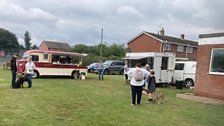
point(185, 71)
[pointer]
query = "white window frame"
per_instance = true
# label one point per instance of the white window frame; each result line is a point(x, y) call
point(167, 46)
point(189, 51)
point(180, 48)
point(211, 60)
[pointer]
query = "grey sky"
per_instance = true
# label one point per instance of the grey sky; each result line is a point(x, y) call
point(80, 21)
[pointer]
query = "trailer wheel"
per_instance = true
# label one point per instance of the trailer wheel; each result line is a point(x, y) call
point(188, 83)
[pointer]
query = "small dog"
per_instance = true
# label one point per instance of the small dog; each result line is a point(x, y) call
point(159, 97)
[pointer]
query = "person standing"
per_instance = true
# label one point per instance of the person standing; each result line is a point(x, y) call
point(100, 70)
point(29, 68)
point(126, 73)
point(13, 69)
point(137, 75)
point(152, 85)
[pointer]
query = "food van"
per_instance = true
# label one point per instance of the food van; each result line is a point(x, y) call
point(54, 63)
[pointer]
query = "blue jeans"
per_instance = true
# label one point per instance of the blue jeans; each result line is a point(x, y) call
point(136, 90)
point(13, 78)
point(29, 79)
point(100, 74)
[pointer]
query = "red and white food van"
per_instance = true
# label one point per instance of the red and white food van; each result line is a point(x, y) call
point(54, 63)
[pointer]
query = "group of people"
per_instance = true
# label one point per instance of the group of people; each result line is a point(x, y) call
point(29, 68)
point(138, 77)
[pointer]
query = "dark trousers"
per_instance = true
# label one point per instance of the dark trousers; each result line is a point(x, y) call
point(13, 78)
point(136, 90)
point(100, 74)
point(29, 79)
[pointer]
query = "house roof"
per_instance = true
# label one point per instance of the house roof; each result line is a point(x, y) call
point(169, 39)
point(56, 45)
point(211, 35)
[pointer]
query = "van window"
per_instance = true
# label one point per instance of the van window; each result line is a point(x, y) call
point(179, 66)
point(46, 56)
point(35, 57)
point(120, 63)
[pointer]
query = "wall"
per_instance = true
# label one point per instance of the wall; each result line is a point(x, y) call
point(192, 56)
point(206, 84)
point(43, 46)
point(144, 43)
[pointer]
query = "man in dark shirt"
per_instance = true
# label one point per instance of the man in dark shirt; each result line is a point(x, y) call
point(14, 70)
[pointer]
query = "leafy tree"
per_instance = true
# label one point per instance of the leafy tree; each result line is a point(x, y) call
point(109, 52)
point(27, 39)
point(34, 46)
point(8, 42)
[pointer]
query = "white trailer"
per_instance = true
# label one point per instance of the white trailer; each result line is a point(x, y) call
point(162, 63)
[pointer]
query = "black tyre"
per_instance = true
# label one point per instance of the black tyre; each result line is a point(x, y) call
point(106, 71)
point(75, 75)
point(121, 72)
point(35, 74)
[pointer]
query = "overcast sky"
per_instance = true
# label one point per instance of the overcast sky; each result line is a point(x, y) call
point(80, 21)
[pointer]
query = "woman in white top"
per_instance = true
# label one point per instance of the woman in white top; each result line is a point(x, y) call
point(29, 68)
point(137, 75)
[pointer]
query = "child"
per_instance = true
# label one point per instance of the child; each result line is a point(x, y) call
point(126, 73)
point(152, 85)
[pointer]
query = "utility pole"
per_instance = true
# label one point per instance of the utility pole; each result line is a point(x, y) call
point(101, 44)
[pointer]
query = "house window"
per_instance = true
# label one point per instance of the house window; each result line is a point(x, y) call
point(180, 48)
point(189, 49)
point(217, 61)
point(167, 46)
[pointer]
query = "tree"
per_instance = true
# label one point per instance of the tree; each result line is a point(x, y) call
point(27, 39)
point(110, 52)
point(34, 46)
point(8, 42)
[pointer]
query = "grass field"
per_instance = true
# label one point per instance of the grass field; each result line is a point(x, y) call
point(90, 102)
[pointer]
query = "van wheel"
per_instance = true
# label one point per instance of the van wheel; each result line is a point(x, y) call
point(188, 83)
point(106, 71)
point(75, 75)
point(121, 72)
point(35, 74)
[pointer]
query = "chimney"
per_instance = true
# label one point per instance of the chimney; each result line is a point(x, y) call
point(182, 36)
point(162, 31)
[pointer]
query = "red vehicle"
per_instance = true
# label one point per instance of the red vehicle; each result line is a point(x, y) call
point(55, 63)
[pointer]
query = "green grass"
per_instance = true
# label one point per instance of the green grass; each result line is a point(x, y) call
point(90, 102)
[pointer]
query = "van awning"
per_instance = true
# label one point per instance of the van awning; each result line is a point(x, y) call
point(135, 57)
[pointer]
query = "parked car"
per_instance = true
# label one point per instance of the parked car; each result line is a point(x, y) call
point(113, 67)
point(93, 67)
point(185, 71)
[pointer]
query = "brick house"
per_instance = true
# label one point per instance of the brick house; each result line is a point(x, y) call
point(151, 42)
point(210, 66)
point(54, 46)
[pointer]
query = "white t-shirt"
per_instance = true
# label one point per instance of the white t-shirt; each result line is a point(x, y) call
point(125, 69)
point(131, 75)
point(30, 66)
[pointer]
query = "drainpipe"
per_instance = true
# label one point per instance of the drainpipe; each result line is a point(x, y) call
point(161, 46)
point(186, 50)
